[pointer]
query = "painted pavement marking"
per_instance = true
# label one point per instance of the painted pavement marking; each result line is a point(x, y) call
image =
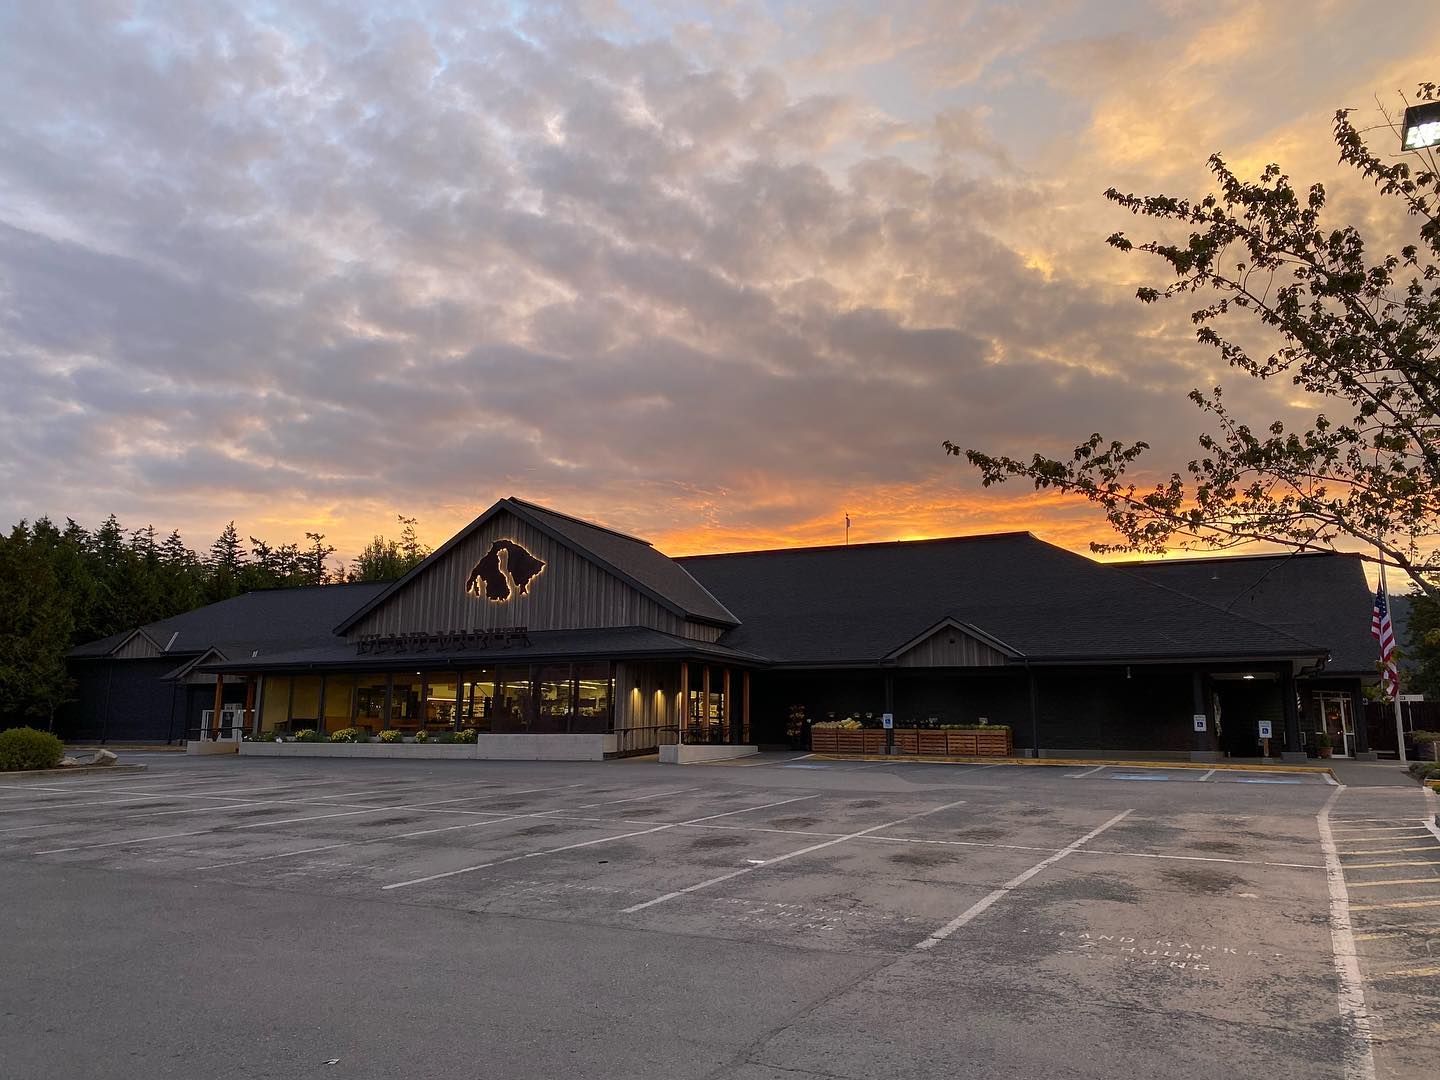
point(980, 906)
point(785, 858)
point(1085, 772)
point(1407, 902)
point(1407, 973)
point(589, 843)
point(1206, 776)
point(368, 840)
point(1432, 880)
point(1359, 1056)
point(283, 821)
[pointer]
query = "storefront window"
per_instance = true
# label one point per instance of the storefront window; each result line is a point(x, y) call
point(370, 702)
point(305, 702)
point(593, 699)
point(477, 699)
point(553, 698)
point(339, 701)
point(439, 713)
point(405, 712)
point(512, 700)
point(275, 704)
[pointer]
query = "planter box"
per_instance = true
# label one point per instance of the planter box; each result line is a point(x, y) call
point(931, 742)
point(998, 743)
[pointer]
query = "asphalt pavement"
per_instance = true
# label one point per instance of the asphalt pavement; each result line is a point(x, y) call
point(785, 917)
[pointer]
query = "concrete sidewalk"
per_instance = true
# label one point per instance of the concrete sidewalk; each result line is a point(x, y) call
point(1370, 773)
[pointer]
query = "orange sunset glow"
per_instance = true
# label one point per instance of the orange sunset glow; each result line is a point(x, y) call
point(715, 277)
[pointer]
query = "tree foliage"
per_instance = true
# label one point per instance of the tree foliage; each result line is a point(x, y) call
point(1355, 331)
point(61, 587)
point(388, 560)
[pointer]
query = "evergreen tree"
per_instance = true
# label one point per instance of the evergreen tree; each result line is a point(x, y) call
point(34, 633)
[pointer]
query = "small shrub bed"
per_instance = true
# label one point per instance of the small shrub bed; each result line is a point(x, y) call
point(391, 736)
point(24, 748)
point(305, 735)
point(259, 736)
point(345, 734)
point(422, 736)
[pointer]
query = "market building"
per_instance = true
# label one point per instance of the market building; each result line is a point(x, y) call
point(533, 625)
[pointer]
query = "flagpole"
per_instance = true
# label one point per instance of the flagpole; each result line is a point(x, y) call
point(1399, 718)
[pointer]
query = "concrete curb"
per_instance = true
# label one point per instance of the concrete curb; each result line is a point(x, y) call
point(1077, 763)
point(74, 770)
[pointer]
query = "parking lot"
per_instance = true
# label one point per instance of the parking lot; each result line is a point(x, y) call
point(774, 918)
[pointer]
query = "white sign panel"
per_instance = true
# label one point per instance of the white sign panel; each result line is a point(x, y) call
point(1199, 721)
point(1265, 732)
point(1413, 699)
point(887, 720)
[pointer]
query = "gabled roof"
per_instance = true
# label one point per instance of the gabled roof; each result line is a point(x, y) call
point(209, 656)
point(952, 623)
point(1319, 596)
point(856, 604)
point(264, 619)
point(630, 559)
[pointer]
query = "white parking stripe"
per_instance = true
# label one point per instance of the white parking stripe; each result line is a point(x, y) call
point(287, 821)
point(1207, 776)
point(590, 843)
point(784, 858)
point(1359, 1055)
point(982, 905)
point(368, 840)
point(1085, 772)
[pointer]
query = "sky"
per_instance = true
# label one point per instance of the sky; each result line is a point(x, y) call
point(713, 273)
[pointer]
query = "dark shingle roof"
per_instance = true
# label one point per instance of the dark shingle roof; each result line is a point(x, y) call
point(857, 604)
point(1317, 596)
point(635, 559)
point(270, 620)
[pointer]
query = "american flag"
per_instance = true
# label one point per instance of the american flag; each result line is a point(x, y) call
point(1383, 631)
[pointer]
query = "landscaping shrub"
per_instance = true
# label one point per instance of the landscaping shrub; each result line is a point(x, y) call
point(345, 734)
point(389, 736)
point(306, 735)
point(259, 736)
point(422, 736)
point(26, 748)
point(469, 735)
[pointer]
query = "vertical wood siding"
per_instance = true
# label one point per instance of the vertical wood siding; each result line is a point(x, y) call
point(646, 701)
point(938, 651)
point(570, 593)
point(138, 647)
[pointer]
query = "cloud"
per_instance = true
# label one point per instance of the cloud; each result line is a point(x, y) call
point(708, 273)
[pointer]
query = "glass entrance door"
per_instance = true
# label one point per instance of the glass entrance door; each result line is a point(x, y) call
point(1339, 724)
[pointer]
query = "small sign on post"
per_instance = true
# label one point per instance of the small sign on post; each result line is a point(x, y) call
point(887, 720)
point(1266, 734)
point(1200, 722)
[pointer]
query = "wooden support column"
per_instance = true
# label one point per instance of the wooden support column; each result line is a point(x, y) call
point(248, 722)
point(705, 697)
point(731, 735)
point(219, 704)
point(684, 702)
point(745, 707)
point(1290, 710)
